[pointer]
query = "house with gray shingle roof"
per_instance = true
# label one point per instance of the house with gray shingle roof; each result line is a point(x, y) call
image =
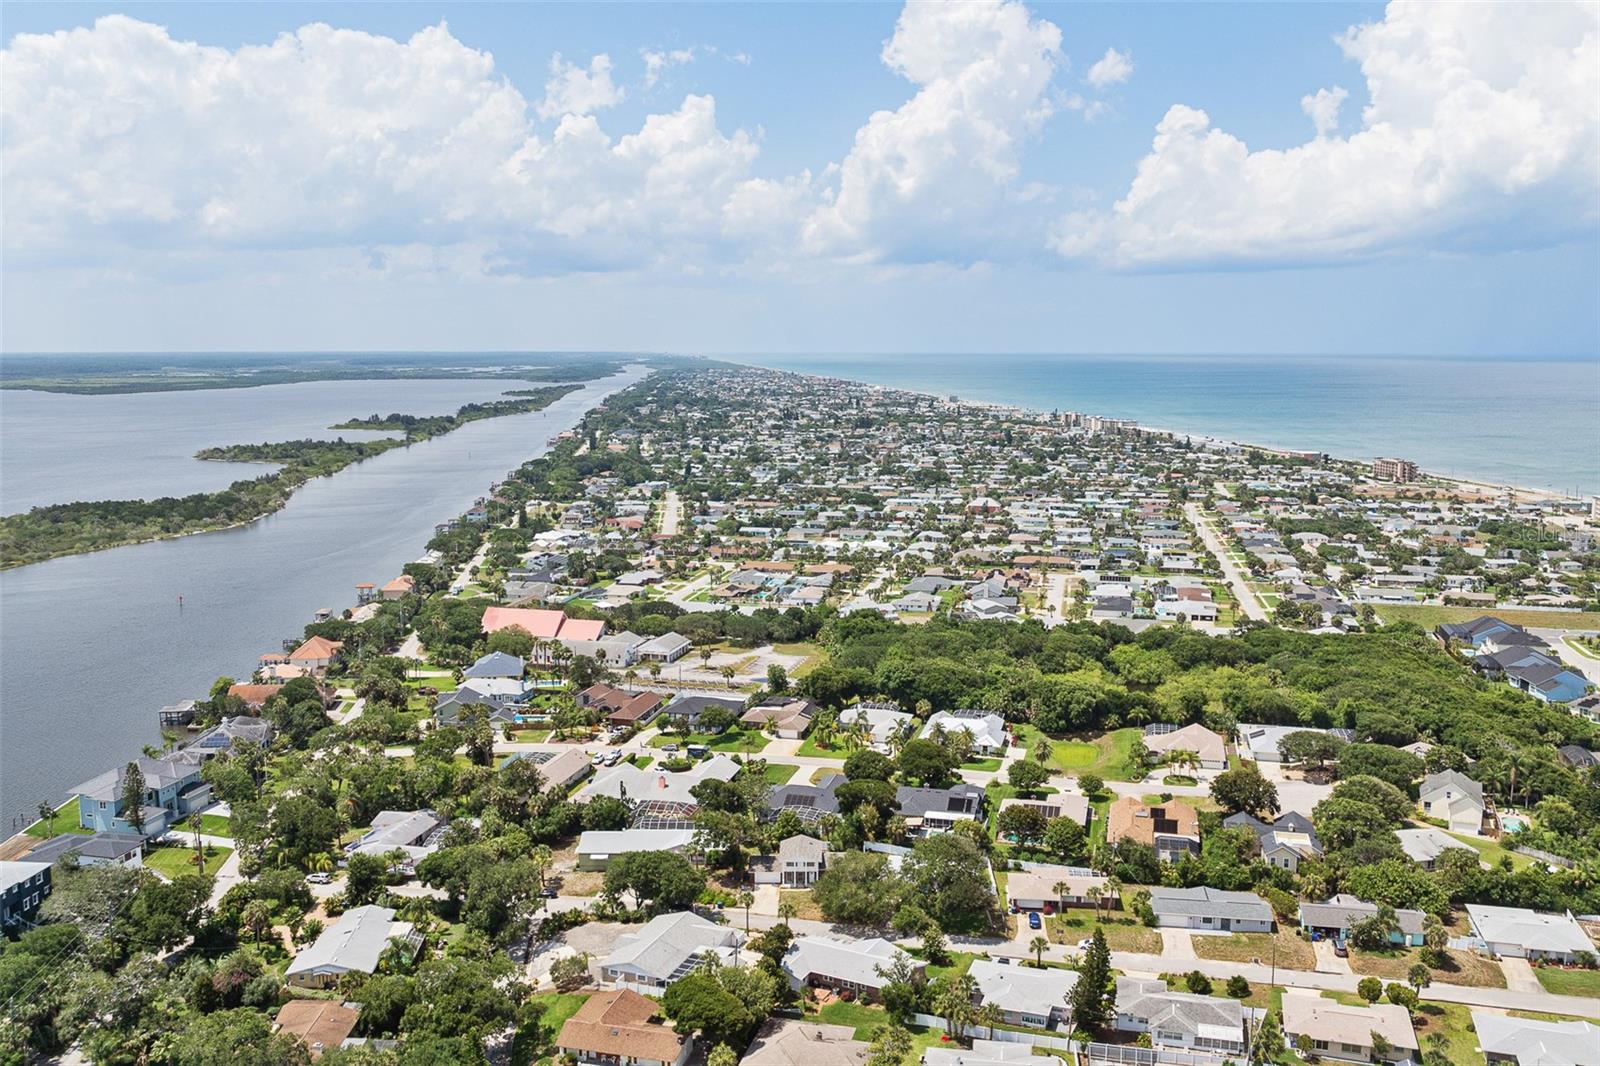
point(669, 946)
point(1210, 909)
point(1179, 1019)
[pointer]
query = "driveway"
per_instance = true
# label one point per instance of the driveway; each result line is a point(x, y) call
point(1519, 975)
point(1177, 944)
point(1327, 961)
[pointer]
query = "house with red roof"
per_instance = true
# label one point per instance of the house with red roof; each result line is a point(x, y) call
point(315, 655)
point(543, 624)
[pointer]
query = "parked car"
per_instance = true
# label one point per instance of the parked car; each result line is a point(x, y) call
point(548, 892)
point(1085, 943)
point(1034, 921)
point(613, 758)
point(1340, 949)
point(319, 878)
point(670, 747)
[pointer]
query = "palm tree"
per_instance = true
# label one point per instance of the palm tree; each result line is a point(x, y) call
point(746, 898)
point(727, 671)
point(1112, 894)
point(990, 1016)
point(1038, 945)
point(955, 1003)
point(541, 857)
point(195, 823)
point(320, 863)
point(786, 910)
point(1060, 889)
point(629, 676)
point(705, 657)
point(655, 671)
point(1094, 892)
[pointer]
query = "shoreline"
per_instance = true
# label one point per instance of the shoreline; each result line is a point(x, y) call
point(1478, 485)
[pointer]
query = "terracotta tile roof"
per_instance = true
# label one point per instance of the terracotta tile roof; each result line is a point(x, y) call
point(544, 624)
point(316, 648)
point(620, 1023)
point(254, 695)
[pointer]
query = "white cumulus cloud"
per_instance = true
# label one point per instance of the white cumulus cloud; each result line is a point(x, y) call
point(1113, 68)
point(1482, 131)
point(573, 90)
point(1322, 109)
point(934, 178)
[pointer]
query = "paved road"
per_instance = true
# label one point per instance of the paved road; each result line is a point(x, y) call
point(1237, 580)
point(671, 514)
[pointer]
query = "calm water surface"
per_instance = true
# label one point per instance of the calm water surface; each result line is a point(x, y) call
point(92, 645)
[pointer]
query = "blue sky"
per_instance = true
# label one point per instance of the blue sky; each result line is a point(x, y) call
point(791, 177)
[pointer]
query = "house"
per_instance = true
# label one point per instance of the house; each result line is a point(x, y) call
point(399, 588)
point(496, 664)
point(788, 1042)
point(1179, 1019)
point(1424, 846)
point(1476, 632)
point(842, 965)
point(352, 944)
point(666, 948)
point(622, 709)
point(319, 1024)
point(883, 720)
point(685, 712)
point(1162, 739)
point(1260, 742)
point(1025, 996)
point(543, 624)
point(1210, 909)
point(936, 810)
point(413, 833)
point(801, 860)
point(1577, 757)
point(97, 849)
point(227, 737)
point(1459, 802)
point(1172, 830)
point(987, 730)
point(1283, 843)
point(1518, 933)
point(596, 847)
point(315, 655)
point(808, 802)
point(1342, 1032)
point(1072, 805)
point(24, 886)
point(254, 697)
point(622, 1028)
point(1508, 1041)
point(1044, 888)
point(558, 772)
point(173, 790)
point(667, 648)
point(1334, 918)
point(648, 785)
point(789, 719)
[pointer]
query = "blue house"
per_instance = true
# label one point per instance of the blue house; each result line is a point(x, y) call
point(1334, 918)
point(173, 791)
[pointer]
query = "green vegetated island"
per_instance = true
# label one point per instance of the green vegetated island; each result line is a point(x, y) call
point(104, 375)
point(74, 528)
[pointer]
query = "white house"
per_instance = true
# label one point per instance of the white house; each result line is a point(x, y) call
point(988, 731)
point(1457, 800)
point(1344, 1032)
point(852, 965)
point(1210, 908)
point(1026, 996)
point(596, 847)
point(669, 946)
point(1508, 1041)
point(1518, 933)
point(353, 944)
point(1179, 1019)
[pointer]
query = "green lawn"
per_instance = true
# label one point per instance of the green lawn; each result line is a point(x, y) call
point(867, 1020)
point(1491, 852)
point(536, 1043)
point(986, 765)
point(64, 821)
point(1448, 1027)
point(780, 773)
point(1428, 617)
point(812, 750)
point(175, 861)
point(745, 740)
point(1107, 756)
point(215, 825)
point(1569, 982)
point(642, 761)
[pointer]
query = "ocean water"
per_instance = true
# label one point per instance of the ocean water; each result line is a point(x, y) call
point(1534, 423)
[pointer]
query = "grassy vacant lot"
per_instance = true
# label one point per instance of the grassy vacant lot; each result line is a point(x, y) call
point(1465, 968)
point(1105, 756)
point(1428, 617)
point(1451, 1025)
point(65, 820)
point(175, 861)
point(1569, 982)
point(536, 1043)
point(815, 656)
point(805, 906)
point(1293, 953)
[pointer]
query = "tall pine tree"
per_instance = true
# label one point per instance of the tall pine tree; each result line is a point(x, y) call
point(133, 797)
point(1093, 997)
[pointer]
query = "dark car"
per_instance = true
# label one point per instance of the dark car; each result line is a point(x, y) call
point(1034, 921)
point(1340, 949)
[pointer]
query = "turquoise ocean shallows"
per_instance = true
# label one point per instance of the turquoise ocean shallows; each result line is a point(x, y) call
point(1527, 422)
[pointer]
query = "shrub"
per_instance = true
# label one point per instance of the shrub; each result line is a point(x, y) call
point(1198, 983)
point(1238, 987)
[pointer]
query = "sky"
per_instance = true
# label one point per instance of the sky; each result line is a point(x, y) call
point(771, 177)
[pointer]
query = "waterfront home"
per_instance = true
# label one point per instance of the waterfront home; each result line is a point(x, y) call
point(1179, 1019)
point(226, 737)
point(1349, 1033)
point(93, 849)
point(790, 1042)
point(1044, 888)
point(24, 886)
point(1210, 909)
point(1025, 996)
point(1508, 1041)
point(315, 655)
point(1519, 933)
point(173, 790)
point(1162, 739)
point(937, 810)
point(254, 696)
point(352, 944)
point(1459, 802)
point(1334, 918)
point(665, 949)
point(319, 1024)
point(1284, 843)
point(400, 587)
point(843, 965)
point(1173, 829)
point(622, 1028)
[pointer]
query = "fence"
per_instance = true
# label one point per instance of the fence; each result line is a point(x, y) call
point(1546, 857)
point(1098, 1054)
